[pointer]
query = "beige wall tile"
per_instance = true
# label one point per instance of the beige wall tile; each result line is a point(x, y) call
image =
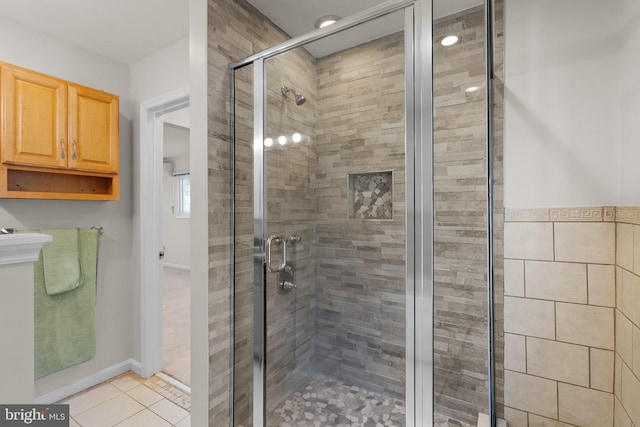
point(620, 418)
point(538, 421)
point(602, 285)
point(584, 407)
point(631, 296)
point(636, 351)
point(602, 367)
point(636, 249)
point(617, 382)
point(558, 361)
point(514, 277)
point(529, 317)
point(531, 394)
point(624, 338)
point(585, 242)
point(515, 354)
point(556, 281)
point(624, 246)
point(528, 240)
point(586, 325)
point(619, 274)
point(515, 418)
point(631, 394)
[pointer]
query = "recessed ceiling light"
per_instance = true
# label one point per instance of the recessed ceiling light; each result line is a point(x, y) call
point(282, 140)
point(268, 142)
point(449, 40)
point(325, 21)
point(472, 89)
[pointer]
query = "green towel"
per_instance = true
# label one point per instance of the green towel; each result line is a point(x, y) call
point(65, 323)
point(61, 259)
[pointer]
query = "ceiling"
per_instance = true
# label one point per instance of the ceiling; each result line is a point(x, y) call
point(123, 30)
point(129, 30)
point(297, 17)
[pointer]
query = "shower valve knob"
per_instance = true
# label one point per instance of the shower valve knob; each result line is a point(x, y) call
point(294, 238)
point(287, 285)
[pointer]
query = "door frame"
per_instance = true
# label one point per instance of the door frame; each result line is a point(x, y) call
point(150, 173)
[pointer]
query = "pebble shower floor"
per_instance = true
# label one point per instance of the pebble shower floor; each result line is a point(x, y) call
point(325, 401)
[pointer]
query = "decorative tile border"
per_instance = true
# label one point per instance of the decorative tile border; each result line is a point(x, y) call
point(526, 215)
point(629, 215)
point(586, 214)
point(578, 214)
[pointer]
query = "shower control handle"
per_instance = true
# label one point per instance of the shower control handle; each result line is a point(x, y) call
point(294, 238)
point(277, 240)
point(287, 285)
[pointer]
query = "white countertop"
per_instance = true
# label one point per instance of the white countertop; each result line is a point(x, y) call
point(21, 247)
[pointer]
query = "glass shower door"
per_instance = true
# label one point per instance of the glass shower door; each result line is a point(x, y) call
point(332, 246)
point(335, 236)
point(290, 209)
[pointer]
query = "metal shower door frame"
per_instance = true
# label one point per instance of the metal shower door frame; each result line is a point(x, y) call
point(419, 204)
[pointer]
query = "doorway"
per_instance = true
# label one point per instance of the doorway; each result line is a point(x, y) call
point(176, 238)
point(152, 234)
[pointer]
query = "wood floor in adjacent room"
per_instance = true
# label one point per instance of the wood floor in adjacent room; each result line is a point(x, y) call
point(176, 327)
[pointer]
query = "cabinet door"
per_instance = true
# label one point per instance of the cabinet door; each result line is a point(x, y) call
point(34, 129)
point(93, 130)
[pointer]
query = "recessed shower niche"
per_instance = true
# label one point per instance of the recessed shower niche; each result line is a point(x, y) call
point(371, 195)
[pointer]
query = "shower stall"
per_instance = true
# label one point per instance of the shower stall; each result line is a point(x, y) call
point(365, 173)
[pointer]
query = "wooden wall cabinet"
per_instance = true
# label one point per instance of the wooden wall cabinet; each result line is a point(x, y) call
point(58, 140)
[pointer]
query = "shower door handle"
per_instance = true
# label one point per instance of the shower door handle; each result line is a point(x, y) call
point(277, 240)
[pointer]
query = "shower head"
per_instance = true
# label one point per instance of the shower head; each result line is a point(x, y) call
point(298, 97)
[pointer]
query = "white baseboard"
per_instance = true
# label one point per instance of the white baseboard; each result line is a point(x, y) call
point(483, 421)
point(90, 381)
point(178, 266)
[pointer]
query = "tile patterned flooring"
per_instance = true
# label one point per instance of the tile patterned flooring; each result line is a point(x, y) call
point(130, 401)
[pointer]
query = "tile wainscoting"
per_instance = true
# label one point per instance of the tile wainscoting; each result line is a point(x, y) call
point(572, 316)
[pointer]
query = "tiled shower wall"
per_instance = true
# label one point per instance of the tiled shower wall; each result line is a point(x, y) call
point(236, 30)
point(460, 209)
point(360, 263)
point(572, 307)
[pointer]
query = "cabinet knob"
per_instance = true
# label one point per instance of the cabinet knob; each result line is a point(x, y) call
point(62, 146)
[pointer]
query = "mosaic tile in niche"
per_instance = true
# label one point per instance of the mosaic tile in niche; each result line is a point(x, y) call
point(371, 195)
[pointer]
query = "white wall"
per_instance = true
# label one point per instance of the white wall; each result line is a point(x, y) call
point(562, 114)
point(630, 103)
point(198, 78)
point(162, 72)
point(25, 47)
